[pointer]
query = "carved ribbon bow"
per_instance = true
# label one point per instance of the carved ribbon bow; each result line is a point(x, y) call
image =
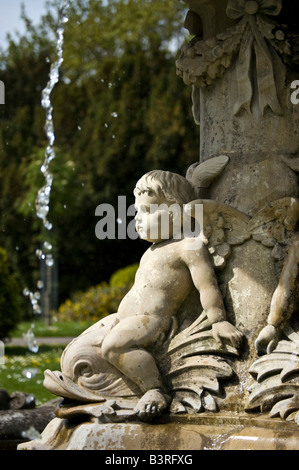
point(257, 28)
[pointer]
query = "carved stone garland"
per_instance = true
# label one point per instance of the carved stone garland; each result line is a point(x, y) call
point(203, 61)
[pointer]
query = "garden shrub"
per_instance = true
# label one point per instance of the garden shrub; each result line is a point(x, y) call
point(124, 277)
point(10, 307)
point(98, 301)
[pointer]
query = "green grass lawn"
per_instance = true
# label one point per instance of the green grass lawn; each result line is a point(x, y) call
point(23, 370)
point(57, 328)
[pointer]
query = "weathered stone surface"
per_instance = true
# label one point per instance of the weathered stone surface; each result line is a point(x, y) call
point(207, 432)
point(16, 401)
point(14, 424)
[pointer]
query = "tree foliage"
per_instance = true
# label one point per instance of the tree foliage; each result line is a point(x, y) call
point(119, 111)
point(10, 308)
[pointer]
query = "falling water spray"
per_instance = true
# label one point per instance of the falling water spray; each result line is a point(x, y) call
point(42, 202)
point(43, 197)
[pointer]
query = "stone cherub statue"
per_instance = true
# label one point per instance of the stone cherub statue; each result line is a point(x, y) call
point(168, 270)
point(120, 356)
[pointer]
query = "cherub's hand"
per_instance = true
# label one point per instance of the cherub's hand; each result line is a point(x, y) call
point(267, 340)
point(225, 330)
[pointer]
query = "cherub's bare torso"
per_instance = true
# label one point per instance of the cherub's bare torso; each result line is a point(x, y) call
point(162, 283)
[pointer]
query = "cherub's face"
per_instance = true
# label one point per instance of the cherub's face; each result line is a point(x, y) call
point(154, 219)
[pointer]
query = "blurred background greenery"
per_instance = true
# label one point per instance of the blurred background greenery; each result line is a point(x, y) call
point(119, 111)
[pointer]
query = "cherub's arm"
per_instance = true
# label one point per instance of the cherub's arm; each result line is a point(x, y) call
point(281, 306)
point(205, 281)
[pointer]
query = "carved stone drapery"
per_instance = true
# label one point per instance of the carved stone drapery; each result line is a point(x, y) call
point(258, 31)
point(254, 36)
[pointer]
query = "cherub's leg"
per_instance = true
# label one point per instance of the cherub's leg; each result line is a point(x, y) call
point(103, 326)
point(124, 347)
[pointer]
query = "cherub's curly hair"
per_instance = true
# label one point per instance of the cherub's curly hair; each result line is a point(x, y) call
point(172, 187)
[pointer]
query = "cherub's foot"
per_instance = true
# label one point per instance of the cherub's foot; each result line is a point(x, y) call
point(152, 404)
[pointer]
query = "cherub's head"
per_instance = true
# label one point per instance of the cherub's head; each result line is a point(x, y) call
point(159, 200)
point(169, 187)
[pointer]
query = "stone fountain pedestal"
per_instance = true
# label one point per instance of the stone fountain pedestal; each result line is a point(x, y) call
point(208, 431)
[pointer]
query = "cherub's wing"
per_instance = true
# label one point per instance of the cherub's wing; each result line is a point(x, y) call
point(202, 175)
point(222, 227)
point(292, 162)
point(275, 222)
